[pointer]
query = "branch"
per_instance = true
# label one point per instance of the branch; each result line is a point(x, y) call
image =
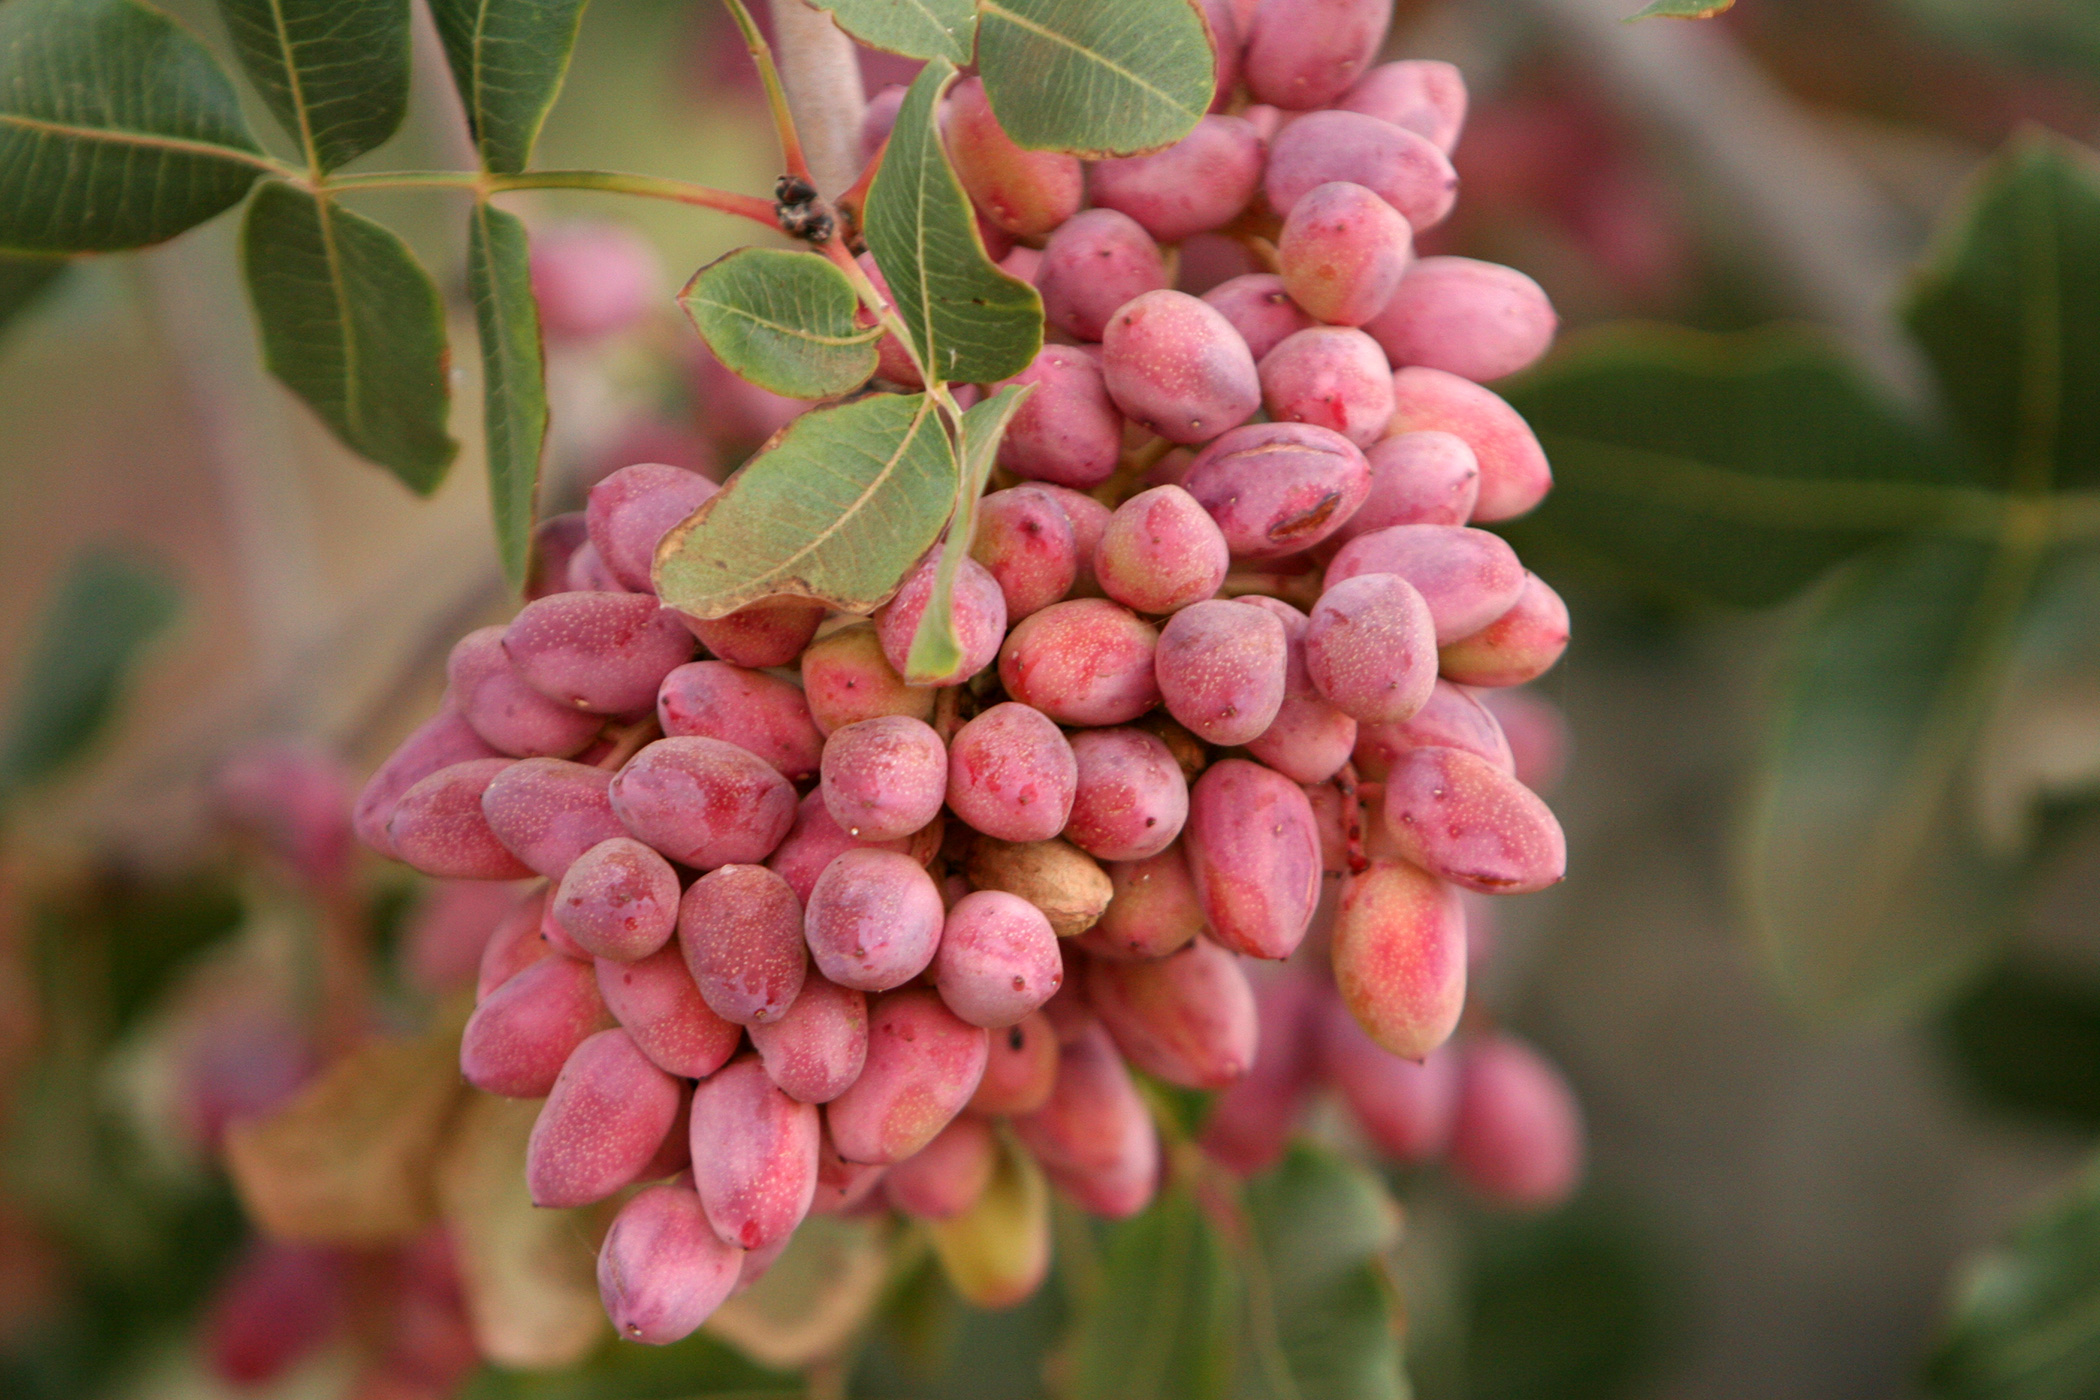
point(821, 69)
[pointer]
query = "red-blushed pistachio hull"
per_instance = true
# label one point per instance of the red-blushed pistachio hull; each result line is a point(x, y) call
point(633, 508)
point(1161, 552)
point(998, 959)
point(554, 540)
point(843, 1187)
point(771, 633)
point(1153, 911)
point(1202, 182)
point(518, 1038)
point(816, 1051)
point(1011, 774)
point(619, 900)
point(1425, 478)
point(1131, 800)
point(816, 839)
point(1260, 309)
point(1404, 1107)
point(1401, 168)
point(1094, 1138)
point(549, 811)
point(1094, 264)
point(979, 612)
point(1087, 662)
point(884, 778)
point(508, 714)
point(675, 1153)
point(602, 652)
point(439, 742)
point(1333, 378)
point(874, 920)
point(754, 1155)
point(1519, 646)
point(1277, 488)
point(1342, 254)
point(1188, 1018)
point(1370, 648)
point(1514, 475)
point(1027, 193)
point(1467, 577)
point(1459, 816)
point(662, 1270)
point(1518, 1139)
point(1309, 740)
point(945, 1177)
point(924, 1063)
point(1176, 365)
point(1254, 856)
point(602, 1123)
point(514, 945)
point(846, 678)
point(1426, 96)
point(1399, 956)
point(1069, 432)
point(656, 1001)
point(1252, 1120)
point(1303, 54)
point(760, 714)
point(1025, 541)
point(437, 827)
point(703, 803)
point(1477, 320)
point(740, 932)
point(1020, 1068)
point(1221, 666)
point(1452, 718)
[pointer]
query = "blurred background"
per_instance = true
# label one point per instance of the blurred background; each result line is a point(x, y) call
point(1782, 1201)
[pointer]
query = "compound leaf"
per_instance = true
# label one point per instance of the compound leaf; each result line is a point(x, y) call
point(969, 321)
point(117, 129)
point(335, 72)
point(836, 509)
point(784, 321)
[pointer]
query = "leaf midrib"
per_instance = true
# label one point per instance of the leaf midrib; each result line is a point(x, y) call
point(179, 145)
point(991, 7)
point(858, 338)
point(298, 89)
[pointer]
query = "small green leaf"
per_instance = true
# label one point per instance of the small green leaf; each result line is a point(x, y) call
point(104, 611)
point(2008, 310)
point(353, 325)
point(1739, 468)
point(2026, 1040)
point(1095, 79)
point(117, 129)
point(969, 322)
point(508, 59)
point(2026, 1322)
point(1865, 881)
point(915, 28)
point(836, 509)
point(1683, 9)
point(513, 378)
point(935, 649)
point(23, 280)
point(1320, 1311)
point(1160, 1324)
point(335, 72)
point(784, 321)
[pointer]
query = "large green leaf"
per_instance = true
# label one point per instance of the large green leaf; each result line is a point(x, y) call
point(1739, 468)
point(513, 378)
point(1320, 1310)
point(1095, 79)
point(836, 509)
point(915, 28)
point(2009, 312)
point(117, 129)
point(508, 58)
point(335, 72)
point(936, 650)
point(23, 279)
point(105, 609)
point(1159, 1325)
point(1865, 879)
point(2026, 1323)
point(784, 321)
point(688, 1370)
point(969, 321)
point(353, 325)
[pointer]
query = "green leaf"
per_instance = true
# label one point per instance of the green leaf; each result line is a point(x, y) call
point(117, 129)
point(784, 321)
point(698, 1366)
point(915, 28)
point(1683, 9)
point(513, 378)
point(836, 509)
point(1095, 79)
point(2009, 312)
point(1737, 468)
point(353, 325)
point(23, 280)
point(1865, 880)
point(508, 59)
point(1159, 1325)
point(2045, 32)
point(335, 72)
point(969, 322)
point(2026, 1323)
point(2025, 1039)
point(935, 649)
point(102, 615)
point(1320, 1311)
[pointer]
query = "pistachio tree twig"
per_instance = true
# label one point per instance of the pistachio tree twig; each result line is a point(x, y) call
point(821, 69)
